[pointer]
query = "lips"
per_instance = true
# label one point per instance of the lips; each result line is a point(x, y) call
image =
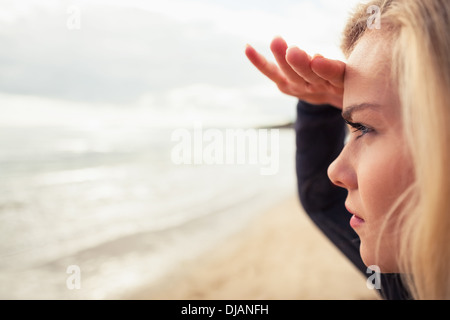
point(355, 221)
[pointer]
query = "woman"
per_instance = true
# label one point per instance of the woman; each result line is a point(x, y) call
point(391, 178)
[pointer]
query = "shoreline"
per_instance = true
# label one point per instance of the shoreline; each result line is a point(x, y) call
point(280, 256)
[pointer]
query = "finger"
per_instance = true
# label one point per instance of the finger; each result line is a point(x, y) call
point(279, 47)
point(269, 69)
point(330, 70)
point(300, 62)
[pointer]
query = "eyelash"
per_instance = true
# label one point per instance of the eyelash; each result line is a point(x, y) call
point(358, 127)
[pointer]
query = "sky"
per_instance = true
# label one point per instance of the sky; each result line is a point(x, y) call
point(156, 63)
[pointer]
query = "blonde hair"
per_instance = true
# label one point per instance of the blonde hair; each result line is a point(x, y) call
point(420, 33)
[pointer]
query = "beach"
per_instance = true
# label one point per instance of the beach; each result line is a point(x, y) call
point(118, 209)
point(281, 255)
point(136, 226)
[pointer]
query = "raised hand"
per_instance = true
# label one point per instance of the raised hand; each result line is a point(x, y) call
point(315, 80)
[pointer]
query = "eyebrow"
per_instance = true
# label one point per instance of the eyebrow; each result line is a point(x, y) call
point(348, 112)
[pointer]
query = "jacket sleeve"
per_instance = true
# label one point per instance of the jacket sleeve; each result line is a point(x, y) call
point(320, 135)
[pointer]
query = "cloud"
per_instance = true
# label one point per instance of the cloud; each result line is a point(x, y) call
point(181, 55)
point(117, 55)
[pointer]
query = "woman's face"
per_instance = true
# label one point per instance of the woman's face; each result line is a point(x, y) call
point(374, 166)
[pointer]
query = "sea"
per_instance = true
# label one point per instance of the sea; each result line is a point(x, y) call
point(96, 213)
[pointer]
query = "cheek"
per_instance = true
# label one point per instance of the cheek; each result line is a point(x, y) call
point(384, 176)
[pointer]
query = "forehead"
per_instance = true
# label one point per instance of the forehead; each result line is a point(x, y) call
point(368, 71)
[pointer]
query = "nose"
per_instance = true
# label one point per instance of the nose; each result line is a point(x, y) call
point(341, 172)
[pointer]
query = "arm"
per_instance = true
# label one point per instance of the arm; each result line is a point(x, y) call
point(320, 134)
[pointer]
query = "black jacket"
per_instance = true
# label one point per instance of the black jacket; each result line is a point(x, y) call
point(321, 132)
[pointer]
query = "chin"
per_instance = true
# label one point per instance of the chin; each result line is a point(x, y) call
point(383, 259)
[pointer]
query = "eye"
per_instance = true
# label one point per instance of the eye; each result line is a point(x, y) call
point(358, 127)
